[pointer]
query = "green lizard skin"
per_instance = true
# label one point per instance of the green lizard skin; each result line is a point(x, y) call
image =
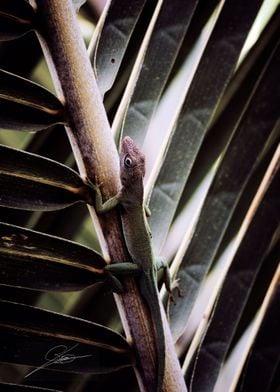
point(138, 238)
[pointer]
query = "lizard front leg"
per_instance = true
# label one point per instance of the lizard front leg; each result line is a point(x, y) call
point(100, 206)
point(119, 269)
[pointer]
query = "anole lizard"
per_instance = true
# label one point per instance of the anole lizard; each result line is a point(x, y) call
point(138, 238)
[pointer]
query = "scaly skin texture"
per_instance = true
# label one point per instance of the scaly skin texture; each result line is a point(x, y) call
point(138, 238)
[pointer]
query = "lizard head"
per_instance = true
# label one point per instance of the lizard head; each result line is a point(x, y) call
point(132, 162)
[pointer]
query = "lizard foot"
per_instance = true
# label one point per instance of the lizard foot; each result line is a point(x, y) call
point(175, 286)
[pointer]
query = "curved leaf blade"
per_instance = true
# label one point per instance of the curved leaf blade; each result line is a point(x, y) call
point(42, 262)
point(114, 30)
point(26, 106)
point(44, 184)
point(78, 3)
point(198, 110)
point(238, 283)
point(240, 159)
point(16, 19)
point(263, 360)
point(32, 336)
point(24, 388)
point(146, 85)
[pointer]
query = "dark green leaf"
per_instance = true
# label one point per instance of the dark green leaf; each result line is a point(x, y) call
point(237, 287)
point(31, 182)
point(32, 336)
point(263, 360)
point(239, 162)
point(16, 19)
point(232, 105)
point(78, 3)
point(164, 43)
point(26, 106)
point(202, 100)
point(42, 262)
point(24, 388)
point(108, 49)
point(247, 70)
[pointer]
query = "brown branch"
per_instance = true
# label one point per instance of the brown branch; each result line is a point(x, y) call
point(97, 159)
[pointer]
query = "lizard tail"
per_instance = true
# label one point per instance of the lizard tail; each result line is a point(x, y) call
point(151, 296)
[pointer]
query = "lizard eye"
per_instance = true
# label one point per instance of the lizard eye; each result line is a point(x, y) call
point(128, 161)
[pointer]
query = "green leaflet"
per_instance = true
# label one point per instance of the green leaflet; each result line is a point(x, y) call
point(42, 262)
point(197, 112)
point(109, 44)
point(265, 349)
point(241, 158)
point(238, 285)
point(16, 19)
point(152, 69)
point(44, 184)
point(26, 106)
point(78, 3)
point(24, 388)
point(32, 336)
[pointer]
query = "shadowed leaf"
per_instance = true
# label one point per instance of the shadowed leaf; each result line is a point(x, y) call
point(24, 388)
point(42, 262)
point(26, 106)
point(240, 160)
point(31, 182)
point(114, 31)
point(16, 19)
point(263, 359)
point(155, 65)
point(78, 3)
point(202, 100)
point(32, 336)
point(237, 287)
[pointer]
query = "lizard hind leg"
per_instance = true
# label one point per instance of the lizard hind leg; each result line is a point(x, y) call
point(169, 283)
point(162, 264)
point(115, 284)
point(114, 271)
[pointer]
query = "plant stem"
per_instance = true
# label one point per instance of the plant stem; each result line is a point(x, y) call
point(96, 155)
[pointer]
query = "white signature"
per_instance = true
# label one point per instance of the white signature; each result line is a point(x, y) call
point(59, 355)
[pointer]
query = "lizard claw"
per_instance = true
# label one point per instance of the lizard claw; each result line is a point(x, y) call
point(175, 286)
